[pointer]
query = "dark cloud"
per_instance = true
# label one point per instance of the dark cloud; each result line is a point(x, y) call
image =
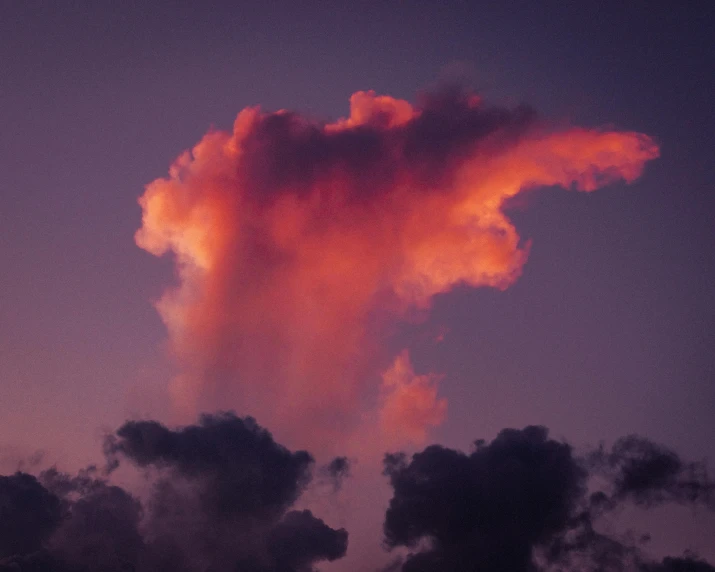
point(237, 464)
point(220, 494)
point(647, 474)
point(336, 471)
point(451, 127)
point(29, 513)
point(579, 546)
point(40, 561)
point(101, 532)
point(485, 510)
point(687, 564)
point(72, 523)
point(287, 152)
point(222, 489)
point(525, 502)
point(301, 539)
point(284, 152)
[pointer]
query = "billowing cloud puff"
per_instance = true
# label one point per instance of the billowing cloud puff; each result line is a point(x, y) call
point(220, 498)
point(409, 405)
point(525, 502)
point(297, 243)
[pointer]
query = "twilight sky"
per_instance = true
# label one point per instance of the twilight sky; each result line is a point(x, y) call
point(392, 262)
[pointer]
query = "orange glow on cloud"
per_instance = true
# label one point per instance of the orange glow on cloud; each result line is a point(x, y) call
point(291, 236)
point(409, 406)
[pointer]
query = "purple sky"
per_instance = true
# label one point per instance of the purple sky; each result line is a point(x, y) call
point(609, 331)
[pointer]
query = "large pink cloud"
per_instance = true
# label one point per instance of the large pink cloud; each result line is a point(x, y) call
point(296, 242)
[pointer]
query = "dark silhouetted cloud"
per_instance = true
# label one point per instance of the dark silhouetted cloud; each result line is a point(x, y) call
point(483, 511)
point(241, 469)
point(300, 539)
point(687, 564)
point(220, 496)
point(219, 500)
point(29, 514)
point(648, 474)
point(524, 502)
point(336, 471)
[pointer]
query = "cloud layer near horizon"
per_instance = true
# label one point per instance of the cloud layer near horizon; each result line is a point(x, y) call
point(220, 495)
point(298, 243)
point(525, 502)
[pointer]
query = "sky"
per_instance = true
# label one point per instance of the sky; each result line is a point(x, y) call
point(371, 227)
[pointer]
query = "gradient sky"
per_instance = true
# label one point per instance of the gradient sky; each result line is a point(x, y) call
point(609, 330)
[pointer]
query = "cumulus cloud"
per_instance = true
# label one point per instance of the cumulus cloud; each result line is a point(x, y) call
point(221, 496)
point(67, 523)
point(237, 463)
point(297, 243)
point(524, 502)
point(220, 499)
point(29, 514)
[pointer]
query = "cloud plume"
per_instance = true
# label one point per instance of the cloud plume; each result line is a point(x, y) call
point(297, 243)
